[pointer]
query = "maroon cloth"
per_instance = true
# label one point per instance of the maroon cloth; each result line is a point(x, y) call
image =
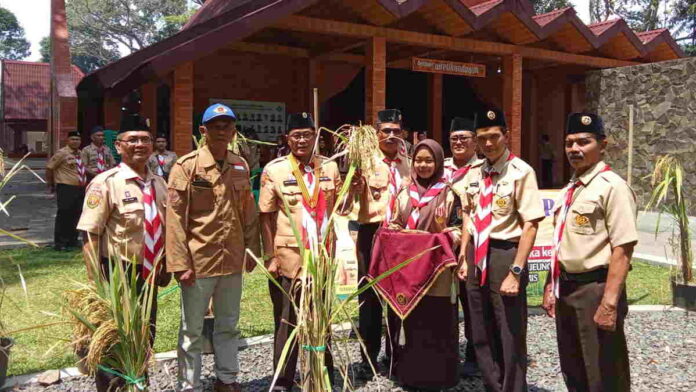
point(404, 288)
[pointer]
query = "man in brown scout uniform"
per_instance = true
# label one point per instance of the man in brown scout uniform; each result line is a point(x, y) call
point(123, 219)
point(377, 192)
point(66, 176)
point(502, 210)
point(309, 184)
point(97, 156)
point(211, 221)
point(594, 239)
point(162, 160)
point(462, 138)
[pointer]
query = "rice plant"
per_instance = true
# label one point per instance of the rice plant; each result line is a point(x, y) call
point(111, 320)
point(667, 180)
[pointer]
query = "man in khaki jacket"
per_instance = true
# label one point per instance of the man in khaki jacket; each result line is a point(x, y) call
point(162, 160)
point(287, 178)
point(211, 221)
point(97, 156)
point(595, 234)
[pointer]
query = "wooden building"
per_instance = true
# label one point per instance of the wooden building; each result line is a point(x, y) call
point(361, 56)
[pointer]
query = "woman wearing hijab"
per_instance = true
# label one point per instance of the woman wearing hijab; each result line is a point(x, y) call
point(425, 344)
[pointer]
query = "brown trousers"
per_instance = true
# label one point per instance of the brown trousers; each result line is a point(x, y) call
point(284, 318)
point(499, 323)
point(592, 360)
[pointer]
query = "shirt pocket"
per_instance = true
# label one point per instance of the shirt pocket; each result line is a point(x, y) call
point(202, 198)
point(472, 197)
point(377, 185)
point(503, 199)
point(132, 225)
point(329, 189)
point(583, 218)
point(292, 195)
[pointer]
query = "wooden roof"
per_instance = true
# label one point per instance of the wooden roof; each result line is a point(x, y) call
point(337, 29)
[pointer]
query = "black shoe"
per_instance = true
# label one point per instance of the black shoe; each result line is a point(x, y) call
point(470, 369)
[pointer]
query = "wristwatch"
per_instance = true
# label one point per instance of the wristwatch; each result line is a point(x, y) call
point(516, 269)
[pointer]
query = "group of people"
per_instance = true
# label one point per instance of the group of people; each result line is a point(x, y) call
point(71, 169)
point(202, 224)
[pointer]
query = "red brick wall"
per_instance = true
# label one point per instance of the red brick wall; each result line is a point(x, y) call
point(253, 77)
point(182, 103)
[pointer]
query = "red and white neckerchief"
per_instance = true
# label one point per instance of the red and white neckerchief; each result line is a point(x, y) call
point(314, 216)
point(483, 218)
point(452, 174)
point(418, 202)
point(153, 243)
point(81, 170)
point(558, 233)
point(394, 186)
point(101, 163)
point(160, 165)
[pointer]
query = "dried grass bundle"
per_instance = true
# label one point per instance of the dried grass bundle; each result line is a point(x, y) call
point(361, 145)
point(104, 338)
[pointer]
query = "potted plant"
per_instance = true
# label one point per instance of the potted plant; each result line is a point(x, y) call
point(667, 195)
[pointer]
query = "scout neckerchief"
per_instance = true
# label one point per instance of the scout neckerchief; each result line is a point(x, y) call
point(81, 171)
point(153, 243)
point(314, 220)
point(101, 163)
point(418, 202)
point(558, 232)
point(394, 186)
point(483, 218)
point(453, 174)
point(160, 165)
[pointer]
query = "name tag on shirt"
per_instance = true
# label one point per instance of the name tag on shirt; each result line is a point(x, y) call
point(239, 167)
point(290, 182)
point(130, 200)
point(202, 183)
point(324, 179)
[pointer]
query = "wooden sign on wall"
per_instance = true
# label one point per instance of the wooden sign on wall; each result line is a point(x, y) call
point(448, 67)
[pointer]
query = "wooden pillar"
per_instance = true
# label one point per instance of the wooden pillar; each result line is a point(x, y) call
point(435, 106)
point(375, 78)
point(512, 99)
point(314, 73)
point(63, 98)
point(182, 109)
point(112, 113)
point(148, 107)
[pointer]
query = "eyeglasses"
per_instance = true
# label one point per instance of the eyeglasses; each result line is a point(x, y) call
point(387, 131)
point(133, 141)
point(299, 136)
point(455, 139)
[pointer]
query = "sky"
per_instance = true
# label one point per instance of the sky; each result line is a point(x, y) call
point(34, 16)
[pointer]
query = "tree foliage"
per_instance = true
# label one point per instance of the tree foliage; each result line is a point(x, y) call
point(544, 6)
point(13, 44)
point(86, 62)
point(102, 30)
point(684, 25)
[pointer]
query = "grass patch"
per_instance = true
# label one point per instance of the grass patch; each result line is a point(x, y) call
point(48, 273)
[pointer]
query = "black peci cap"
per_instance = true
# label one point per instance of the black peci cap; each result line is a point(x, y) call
point(74, 134)
point(389, 116)
point(96, 129)
point(462, 124)
point(136, 123)
point(490, 118)
point(300, 121)
point(585, 122)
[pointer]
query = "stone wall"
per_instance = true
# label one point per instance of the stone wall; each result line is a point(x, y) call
point(663, 96)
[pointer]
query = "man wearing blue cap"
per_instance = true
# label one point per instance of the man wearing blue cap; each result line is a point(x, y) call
point(211, 221)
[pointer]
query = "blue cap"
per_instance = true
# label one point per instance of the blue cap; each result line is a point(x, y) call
point(218, 110)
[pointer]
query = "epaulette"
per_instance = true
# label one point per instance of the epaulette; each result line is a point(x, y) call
point(106, 174)
point(277, 160)
point(186, 157)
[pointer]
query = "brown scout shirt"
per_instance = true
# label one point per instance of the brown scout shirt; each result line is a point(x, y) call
point(169, 161)
point(212, 217)
point(374, 199)
point(64, 166)
point(442, 286)
point(114, 209)
point(451, 168)
point(278, 183)
point(89, 158)
point(515, 200)
point(601, 217)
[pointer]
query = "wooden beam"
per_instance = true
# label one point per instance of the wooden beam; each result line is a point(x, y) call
point(512, 100)
point(321, 26)
point(375, 78)
point(435, 106)
point(341, 50)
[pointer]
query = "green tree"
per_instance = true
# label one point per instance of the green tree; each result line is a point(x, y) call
point(544, 6)
point(86, 62)
point(102, 30)
point(13, 44)
point(684, 25)
point(644, 15)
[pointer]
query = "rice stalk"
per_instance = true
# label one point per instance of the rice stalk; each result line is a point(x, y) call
point(104, 338)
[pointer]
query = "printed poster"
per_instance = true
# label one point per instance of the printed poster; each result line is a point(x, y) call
point(258, 120)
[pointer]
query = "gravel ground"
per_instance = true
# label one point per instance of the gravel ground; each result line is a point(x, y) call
point(661, 344)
